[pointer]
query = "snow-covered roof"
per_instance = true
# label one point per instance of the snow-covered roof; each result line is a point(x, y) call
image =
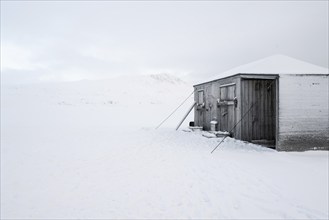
point(276, 64)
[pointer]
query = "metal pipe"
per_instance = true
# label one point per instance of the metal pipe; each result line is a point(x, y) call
point(187, 113)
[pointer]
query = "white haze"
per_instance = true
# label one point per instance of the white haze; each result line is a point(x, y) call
point(65, 41)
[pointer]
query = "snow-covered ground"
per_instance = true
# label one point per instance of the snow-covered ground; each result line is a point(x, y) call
point(89, 149)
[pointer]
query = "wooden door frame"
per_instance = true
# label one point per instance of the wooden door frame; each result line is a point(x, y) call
point(274, 97)
point(227, 103)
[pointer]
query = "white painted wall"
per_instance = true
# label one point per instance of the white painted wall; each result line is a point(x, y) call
point(303, 111)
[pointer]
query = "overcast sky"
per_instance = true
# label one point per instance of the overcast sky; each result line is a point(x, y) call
point(49, 40)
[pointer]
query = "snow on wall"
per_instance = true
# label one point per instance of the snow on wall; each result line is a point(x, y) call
point(303, 112)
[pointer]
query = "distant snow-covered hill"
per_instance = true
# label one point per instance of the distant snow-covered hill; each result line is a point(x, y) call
point(150, 97)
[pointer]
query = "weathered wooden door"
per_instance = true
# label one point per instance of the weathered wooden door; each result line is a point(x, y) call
point(227, 105)
point(258, 106)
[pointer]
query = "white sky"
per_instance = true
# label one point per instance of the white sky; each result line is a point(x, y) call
point(58, 40)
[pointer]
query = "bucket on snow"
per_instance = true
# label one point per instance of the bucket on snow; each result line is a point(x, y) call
point(213, 125)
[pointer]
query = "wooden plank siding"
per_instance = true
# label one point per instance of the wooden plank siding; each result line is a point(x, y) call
point(258, 124)
point(258, 97)
point(237, 130)
point(227, 113)
point(289, 110)
point(208, 105)
point(244, 106)
point(198, 112)
point(202, 117)
point(227, 108)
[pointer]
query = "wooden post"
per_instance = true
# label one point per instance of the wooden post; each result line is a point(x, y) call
point(187, 113)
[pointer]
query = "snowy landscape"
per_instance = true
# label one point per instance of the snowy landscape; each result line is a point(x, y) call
point(89, 150)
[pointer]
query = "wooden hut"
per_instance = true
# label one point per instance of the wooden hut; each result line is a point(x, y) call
point(278, 101)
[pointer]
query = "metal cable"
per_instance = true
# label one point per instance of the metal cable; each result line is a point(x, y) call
point(252, 105)
point(175, 110)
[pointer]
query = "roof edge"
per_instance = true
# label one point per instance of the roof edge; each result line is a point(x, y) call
point(262, 74)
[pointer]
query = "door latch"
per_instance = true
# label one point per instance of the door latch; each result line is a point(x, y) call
point(235, 100)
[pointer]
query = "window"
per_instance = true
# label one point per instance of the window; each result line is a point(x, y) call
point(227, 92)
point(200, 97)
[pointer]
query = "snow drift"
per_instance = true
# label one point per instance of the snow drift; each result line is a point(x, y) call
point(89, 149)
